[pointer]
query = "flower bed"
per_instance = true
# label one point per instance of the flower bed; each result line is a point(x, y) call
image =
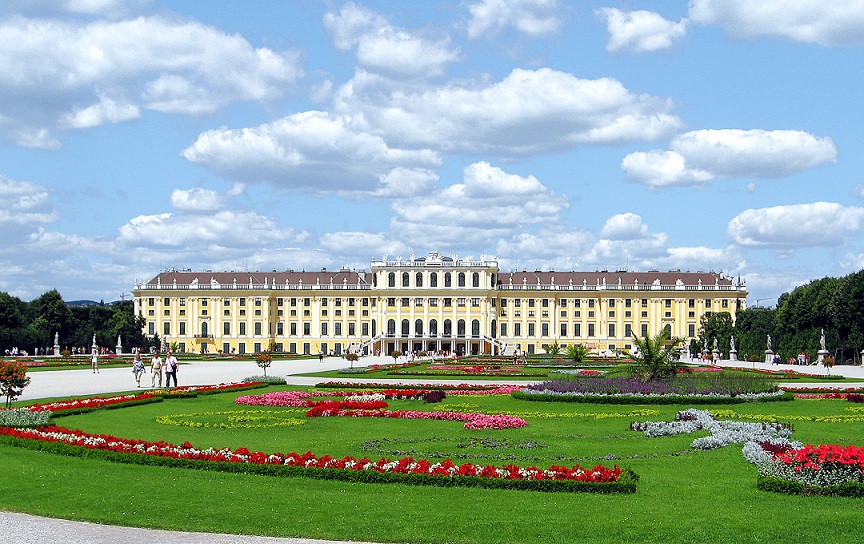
point(406, 470)
point(723, 433)
point(716, 389)
point(375, 408)
point(826, 469)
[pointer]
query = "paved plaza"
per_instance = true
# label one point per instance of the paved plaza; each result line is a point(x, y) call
point(60, 383)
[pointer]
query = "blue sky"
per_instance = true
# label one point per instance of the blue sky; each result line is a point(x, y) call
point(716, 135)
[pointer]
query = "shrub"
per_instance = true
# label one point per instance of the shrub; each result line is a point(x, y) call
point(23, 417)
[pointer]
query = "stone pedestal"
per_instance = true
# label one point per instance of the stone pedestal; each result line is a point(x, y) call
point(822, 353)
point(769, 356)
point(716, 355)
point(733, 355)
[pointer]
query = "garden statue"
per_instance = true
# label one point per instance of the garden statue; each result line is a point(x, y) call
point(822, 340)
point(769, 342)
point(715, 345)
point(732, 344)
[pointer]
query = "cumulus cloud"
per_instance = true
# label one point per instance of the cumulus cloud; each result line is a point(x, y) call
point(639, 31)
point(701, 156)
point(490, 203)
point(24, 204)
point(313, 150)
point(387, 49)
point(224, 230)
point(811, 21)
point(529, 111)
point(624, 226)
point(529, 17)
point(197, 200)
point(798, 225)
point(57, 74)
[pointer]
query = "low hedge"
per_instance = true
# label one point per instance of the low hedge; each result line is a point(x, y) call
point(625, 484)
point(84, 410)
point(677, 399)
point(779, 485)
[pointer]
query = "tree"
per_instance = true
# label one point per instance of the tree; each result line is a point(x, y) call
point(716, 325)
point(656, 357)
point(577, 353)
point(13, 380)
point(47, 315)
point(351, 357)
point(263, 360)
point(395, 354)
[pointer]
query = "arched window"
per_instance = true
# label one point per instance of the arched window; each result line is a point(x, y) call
point(373, 328)
point(204, 329)
point(405, 278)
point(391, 279)
point(433, 327)
point(475, 279)
point(493, 329)
point(448, 328)
point(461, 279)
point(405, 327)
point(460, 328)
point(418, 279)
point(418, 327)
point(391, 327)
point(433, 279)
point(475, 328)
point(448, 282)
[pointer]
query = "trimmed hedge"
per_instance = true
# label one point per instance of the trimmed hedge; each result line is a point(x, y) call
point(778, 485)
point(678, 399)
point(625, 484)
point(84, 410)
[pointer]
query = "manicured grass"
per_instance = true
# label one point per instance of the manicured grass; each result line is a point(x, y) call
point(682, 496)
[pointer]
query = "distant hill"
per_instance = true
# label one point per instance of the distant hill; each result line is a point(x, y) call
point(89, 303)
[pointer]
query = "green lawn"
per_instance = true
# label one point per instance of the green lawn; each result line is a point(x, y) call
point(682, 496)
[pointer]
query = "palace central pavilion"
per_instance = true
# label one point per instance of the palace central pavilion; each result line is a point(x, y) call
point(432, 303)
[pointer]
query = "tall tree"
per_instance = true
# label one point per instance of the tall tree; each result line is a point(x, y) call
point(716, 325)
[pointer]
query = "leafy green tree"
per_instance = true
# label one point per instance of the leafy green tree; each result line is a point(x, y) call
point(49, 314)
point(716, 325)
point(13, 380)
point(847, 315)
point(577, 353)
point(656, 357)
point(752, 327)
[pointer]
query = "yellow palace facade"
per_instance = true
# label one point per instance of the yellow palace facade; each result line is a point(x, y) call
point(431, 303)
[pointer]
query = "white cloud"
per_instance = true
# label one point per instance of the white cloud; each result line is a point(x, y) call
point(700, 156)
point(56, 74)
point(361, 246)
point(24, 204)
point(107, 110)
point(624, 226)
point(386, 49)
point(835, 22)
point(225, 230)
point(529, 111)
point(197, 200)
point(640, 30)
point(798, 225)
point(658, 168)
point(489, 204)
point(530, 17)
point(859, 191)
point(310, 150)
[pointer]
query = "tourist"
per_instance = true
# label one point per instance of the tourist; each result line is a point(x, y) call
point(156, 370)
point(94, 362)
point(170, 369)
point(137, 368)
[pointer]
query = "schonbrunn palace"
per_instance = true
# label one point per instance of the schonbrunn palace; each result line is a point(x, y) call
point(431, 303)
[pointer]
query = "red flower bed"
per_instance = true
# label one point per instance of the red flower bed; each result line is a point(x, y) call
point(308, 460)
point(814, 457)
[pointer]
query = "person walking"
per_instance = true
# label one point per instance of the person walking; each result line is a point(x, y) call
point(138, 368)
point(156, 370)
point(170, 369)
point(94, 362)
